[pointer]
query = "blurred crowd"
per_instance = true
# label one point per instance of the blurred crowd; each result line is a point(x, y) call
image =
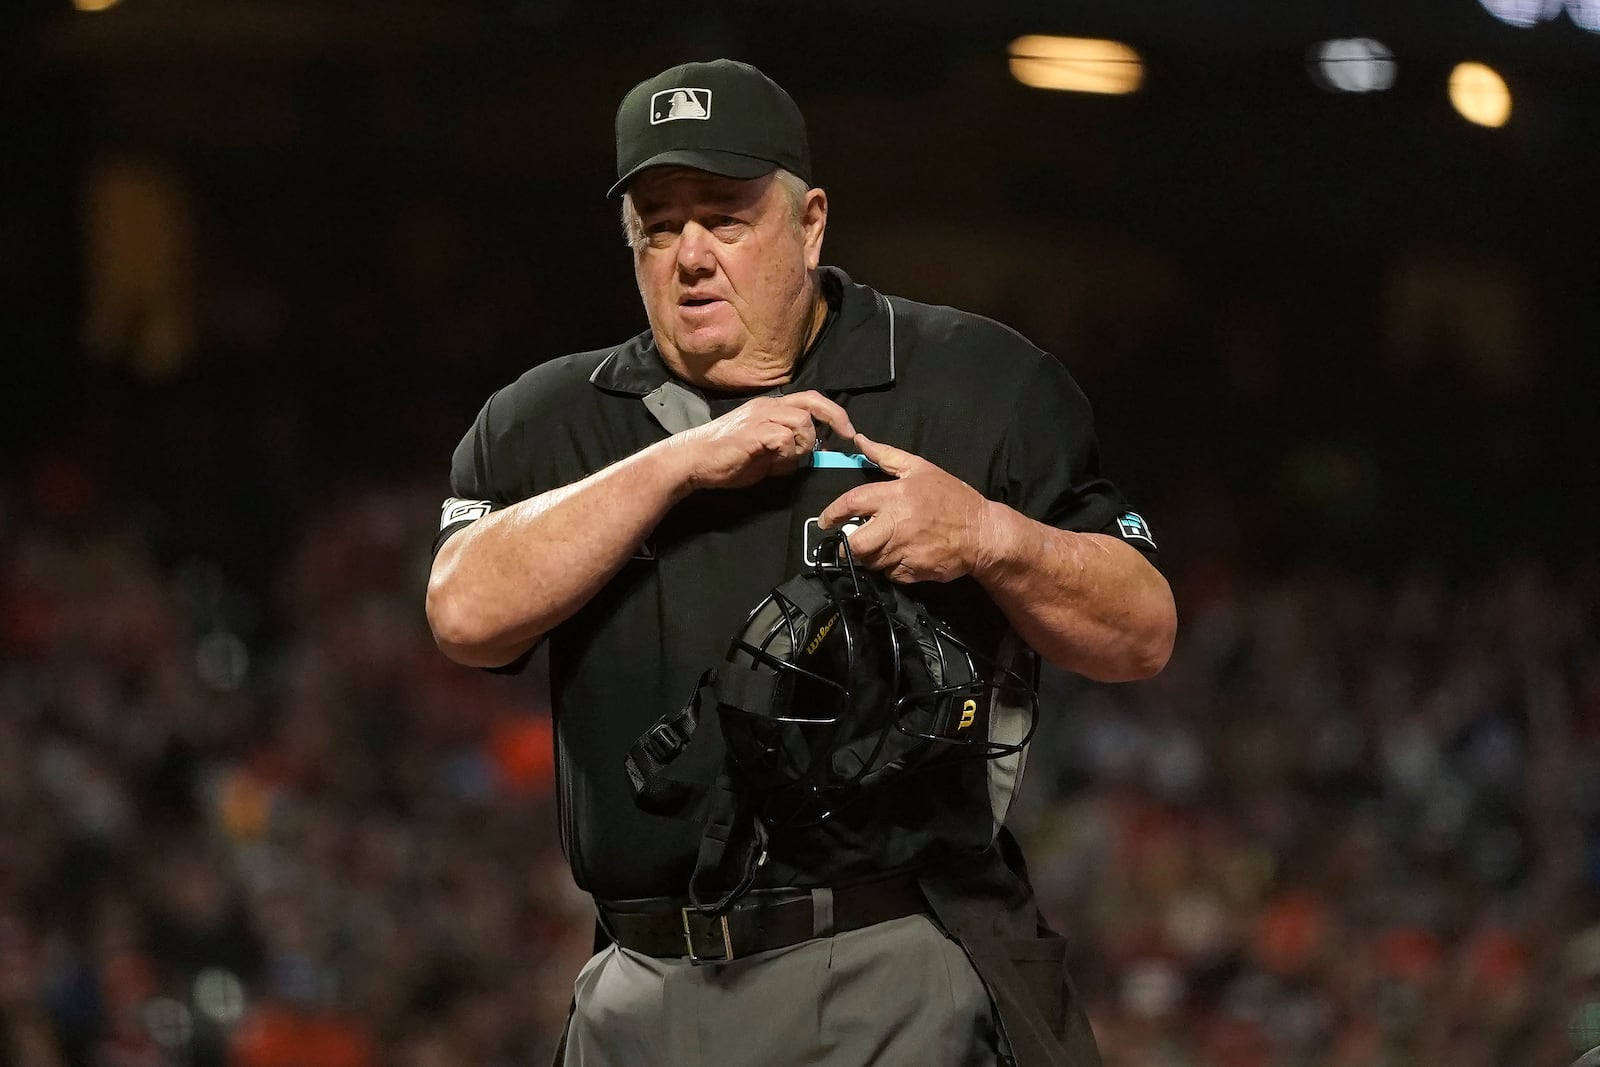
point(1353, 823)
point(1356, 823)
point(334, 848)
point(250, 817)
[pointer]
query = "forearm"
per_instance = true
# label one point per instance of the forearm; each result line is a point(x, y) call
point(1086, 602)
point(502, 583)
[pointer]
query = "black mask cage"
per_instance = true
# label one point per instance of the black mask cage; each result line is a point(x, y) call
point(839, 681)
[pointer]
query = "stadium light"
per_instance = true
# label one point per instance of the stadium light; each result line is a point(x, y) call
point(1527, 13)
point(95, 5)
point(1353, 65)
point(1075, 64)
point(1480, 95)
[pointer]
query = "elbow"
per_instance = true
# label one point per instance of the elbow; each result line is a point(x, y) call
point(1156, 635)
point(1134, 662)
point(451, 625)
point(460, 633)
point(1150, 654)
point(1138, 649)
point(1141, 627)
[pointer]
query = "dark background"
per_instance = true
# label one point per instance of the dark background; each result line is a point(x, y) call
point(260, 263)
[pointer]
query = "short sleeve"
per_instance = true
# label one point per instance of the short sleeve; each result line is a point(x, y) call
point(1050, 462)
point(474, 490)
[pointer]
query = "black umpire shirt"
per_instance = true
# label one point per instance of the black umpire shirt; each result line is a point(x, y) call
point(962, 391)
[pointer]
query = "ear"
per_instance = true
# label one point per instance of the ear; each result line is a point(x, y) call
point(813, 223)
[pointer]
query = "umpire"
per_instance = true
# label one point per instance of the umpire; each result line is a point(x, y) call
point(630, 505)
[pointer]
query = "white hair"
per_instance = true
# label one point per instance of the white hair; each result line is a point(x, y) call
point(794, 187)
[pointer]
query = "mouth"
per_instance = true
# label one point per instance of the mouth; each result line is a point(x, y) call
point(698, 301)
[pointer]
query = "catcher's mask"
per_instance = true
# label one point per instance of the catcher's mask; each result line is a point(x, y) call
point(840, 680)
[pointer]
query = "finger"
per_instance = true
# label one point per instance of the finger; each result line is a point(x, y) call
point(821, 408)
point(779, 440)
point(805, 434)
point(869, 539)
point(796, 425)
point(895, 461)
point(864, 500)
point(793, 416)
point(783, 455)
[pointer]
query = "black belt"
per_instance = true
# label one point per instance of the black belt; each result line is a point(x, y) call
point(763, 920)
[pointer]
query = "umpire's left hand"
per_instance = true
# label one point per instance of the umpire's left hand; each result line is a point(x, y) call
point(926, 525)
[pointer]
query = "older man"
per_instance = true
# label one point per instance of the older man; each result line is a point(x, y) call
point(633, 502)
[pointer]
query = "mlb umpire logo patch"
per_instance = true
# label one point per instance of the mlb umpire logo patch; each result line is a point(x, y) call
point(457, 510)
point(680, 103)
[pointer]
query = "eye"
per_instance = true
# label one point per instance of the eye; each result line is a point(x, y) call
point(659, 234)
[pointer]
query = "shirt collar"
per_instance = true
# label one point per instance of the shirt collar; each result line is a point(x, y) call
point(855, 351)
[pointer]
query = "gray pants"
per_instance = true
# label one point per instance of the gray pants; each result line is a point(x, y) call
point(896, 993)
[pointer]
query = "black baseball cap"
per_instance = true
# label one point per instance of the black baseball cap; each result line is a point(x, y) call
point(724, 117)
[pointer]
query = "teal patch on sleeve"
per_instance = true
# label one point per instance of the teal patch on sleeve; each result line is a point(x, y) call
point(1133, 528)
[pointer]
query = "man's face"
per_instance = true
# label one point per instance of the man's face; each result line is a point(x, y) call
point(723, 268)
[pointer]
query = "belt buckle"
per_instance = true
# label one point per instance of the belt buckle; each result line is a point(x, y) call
point(688, 940)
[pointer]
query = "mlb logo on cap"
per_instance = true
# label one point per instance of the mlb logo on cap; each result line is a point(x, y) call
point(680, 103)
point(757, 127)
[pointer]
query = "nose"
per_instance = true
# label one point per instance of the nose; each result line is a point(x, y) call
point(695, 254)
